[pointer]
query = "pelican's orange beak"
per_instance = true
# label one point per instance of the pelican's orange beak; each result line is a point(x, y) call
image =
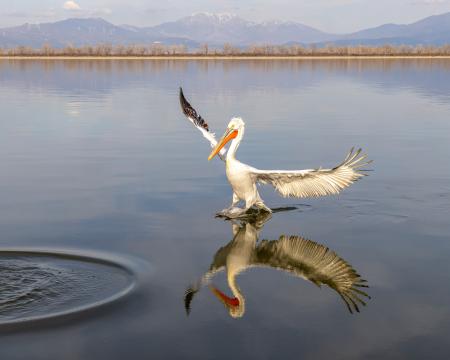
point(227, 301)
point(229, 135)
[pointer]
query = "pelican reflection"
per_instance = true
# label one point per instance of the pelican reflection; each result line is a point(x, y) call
point(295, 255)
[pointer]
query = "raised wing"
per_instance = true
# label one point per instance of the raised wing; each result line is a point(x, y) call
point(314, 262)
point(315, 182)
point(199, 123)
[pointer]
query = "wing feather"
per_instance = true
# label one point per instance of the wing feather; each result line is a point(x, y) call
point(317, 263)
point(199, 123)
point(315, 182)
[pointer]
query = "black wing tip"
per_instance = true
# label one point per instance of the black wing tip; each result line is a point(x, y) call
point(188, 296)
point(190, 112)
point(183, 100)
point(186, 107)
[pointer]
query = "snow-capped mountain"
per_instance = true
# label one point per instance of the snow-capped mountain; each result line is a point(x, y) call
point(216, 30)
point(230, 28)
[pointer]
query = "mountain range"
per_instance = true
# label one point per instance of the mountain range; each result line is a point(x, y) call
point(218, 29)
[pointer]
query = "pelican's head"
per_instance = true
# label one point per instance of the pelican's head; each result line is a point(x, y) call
point(235, 127)
point(236, 123)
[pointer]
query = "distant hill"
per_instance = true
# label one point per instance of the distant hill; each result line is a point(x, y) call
point(81, 31)
point(433, 30)
point(217, 29)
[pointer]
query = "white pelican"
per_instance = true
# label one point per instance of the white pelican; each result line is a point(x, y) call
point(289, 183)
point(293, 254)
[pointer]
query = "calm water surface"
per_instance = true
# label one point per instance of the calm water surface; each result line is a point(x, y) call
point(96, 156)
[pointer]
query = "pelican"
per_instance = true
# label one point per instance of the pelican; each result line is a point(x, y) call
point(288, 183)
point(295, 255)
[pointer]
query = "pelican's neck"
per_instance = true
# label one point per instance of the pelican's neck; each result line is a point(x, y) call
point(231, 278)
point(231, 154)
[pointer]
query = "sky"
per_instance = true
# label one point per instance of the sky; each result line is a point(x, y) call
point(337, 16)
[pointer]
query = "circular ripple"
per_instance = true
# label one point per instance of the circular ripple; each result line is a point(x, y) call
point(36, 284)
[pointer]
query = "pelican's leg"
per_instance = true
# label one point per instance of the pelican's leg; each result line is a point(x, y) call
point(260, 205)
point(235, 200)
point(232, 208)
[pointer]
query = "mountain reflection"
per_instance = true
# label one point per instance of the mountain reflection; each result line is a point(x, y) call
point(295, 255)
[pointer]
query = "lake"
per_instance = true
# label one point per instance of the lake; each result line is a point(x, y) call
point(96, 158)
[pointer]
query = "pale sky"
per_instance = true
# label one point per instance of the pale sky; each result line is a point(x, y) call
point(338, 16)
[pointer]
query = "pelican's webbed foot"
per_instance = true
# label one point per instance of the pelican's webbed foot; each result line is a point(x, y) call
point(231, 212)
point(243, 213)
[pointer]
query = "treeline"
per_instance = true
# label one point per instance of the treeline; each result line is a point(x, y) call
point(98, 50)
point(157, 49)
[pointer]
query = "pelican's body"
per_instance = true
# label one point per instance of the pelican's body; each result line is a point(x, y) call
point(244, 187)
point(300, 257)
point(289, 183)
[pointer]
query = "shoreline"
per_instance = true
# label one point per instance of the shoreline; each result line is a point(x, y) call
point(224, 57)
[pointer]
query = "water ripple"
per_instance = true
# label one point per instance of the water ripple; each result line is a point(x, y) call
point(41, 284)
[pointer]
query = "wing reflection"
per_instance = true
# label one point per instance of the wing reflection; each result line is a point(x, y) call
point(293, 254)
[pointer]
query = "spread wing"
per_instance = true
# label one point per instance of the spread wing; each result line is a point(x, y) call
point(199, 123)
point(314, 262)
point(315, 182)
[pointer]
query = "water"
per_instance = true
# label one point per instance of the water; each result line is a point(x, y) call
point(41, 285)
point(96, 156)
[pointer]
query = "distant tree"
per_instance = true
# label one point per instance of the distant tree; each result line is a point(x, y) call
point(227, 49)
point(47, 50)
point(204, 49)
point(103, 50)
